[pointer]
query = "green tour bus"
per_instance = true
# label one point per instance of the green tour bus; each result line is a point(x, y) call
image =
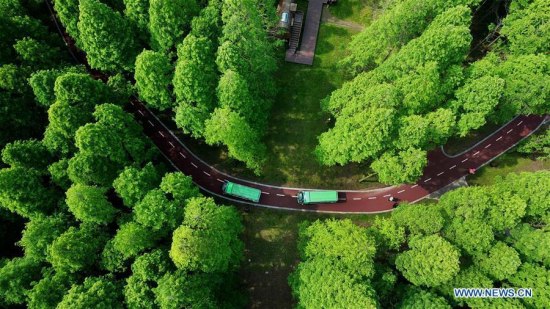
point(317, 197)
point(244, 192)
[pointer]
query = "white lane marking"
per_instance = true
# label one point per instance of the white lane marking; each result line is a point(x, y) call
point(498, 139)
point(440, 173)
point(475, 154)
point(219, 180)
point(400, 191)
point(488, 146)
point(341, 199)
point(427, 180)
point(150, 123)
point(133, 103)
point(387, 195)
point(450, 168)
point(295, 196)
point(194, 165)
point(181, 154)
point(372, 198)
point(206, 174)
point(161, 134)
point(141, 113)
point(171, 144)
point(280, 194)
point(356, 198)
point(266, 193)
point(464, 160)
point(414, 186)
point(509, 131)
point(519, 123)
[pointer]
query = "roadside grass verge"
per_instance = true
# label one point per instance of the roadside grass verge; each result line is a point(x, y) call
point(271, 253)
point(511, 162)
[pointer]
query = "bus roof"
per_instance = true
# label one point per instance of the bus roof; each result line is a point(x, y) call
point(320, 196)
point(245, 192)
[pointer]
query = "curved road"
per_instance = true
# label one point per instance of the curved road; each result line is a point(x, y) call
point(441, 170)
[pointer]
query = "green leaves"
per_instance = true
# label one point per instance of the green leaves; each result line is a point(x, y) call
point(106, 49)
point(134, 183)
point(208, 240)
point(90, 204)
point(430, 262)
point(228, 127)
point(501, 262)
point(405, 167)
point(77, 248)
point(527, 29)
point(98, 292)
point(169, 22)
point(337, 263)
point(153, 77)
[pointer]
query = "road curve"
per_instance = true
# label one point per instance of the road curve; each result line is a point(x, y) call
point(441, 170)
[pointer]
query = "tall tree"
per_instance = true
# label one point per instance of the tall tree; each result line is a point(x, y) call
point(27, 154)
point(16, 277)
point(153, 79)
point(501, 262)
point(170, 21)
point(39, 233)
point(99, 292)
point(430, 262)
point(76, 249)
point(195, 81)
point(180, 289)
point(134, 183)
point(526, 30)
point(90, 204)
point(22, 191)
point(242, 141)
point(208, 240)
point(106, 49)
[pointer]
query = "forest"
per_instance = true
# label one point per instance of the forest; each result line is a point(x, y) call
point(484, 237)
point(92, 215)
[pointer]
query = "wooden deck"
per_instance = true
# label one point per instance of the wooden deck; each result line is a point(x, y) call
point(306, 51)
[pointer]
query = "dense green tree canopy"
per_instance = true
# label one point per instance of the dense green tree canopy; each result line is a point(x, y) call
point(77, 248)
point(133, 238)
point(49, 291)
point(27, 154)
point(16, 277)
point(39, 233)
point(347, 247)
point(242, 141)
point(95, 292)
point(106, 49)
point(181, 290)
point(402, 22)
point(431, 261)
point(153, 77)
point(425, 251)
point(527, 29)
point(90, 204)
point(195, 81)
point(208, 238)
point(23, 191)
point(170, 21)
point(134, 183)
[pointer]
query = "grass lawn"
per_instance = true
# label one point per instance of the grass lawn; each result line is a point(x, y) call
point(296, 122)
point(511, 162)
point(271, 254)
point(357, 11)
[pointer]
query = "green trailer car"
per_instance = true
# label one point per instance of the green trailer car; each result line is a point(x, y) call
point(317, 197)
point(240, 191)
